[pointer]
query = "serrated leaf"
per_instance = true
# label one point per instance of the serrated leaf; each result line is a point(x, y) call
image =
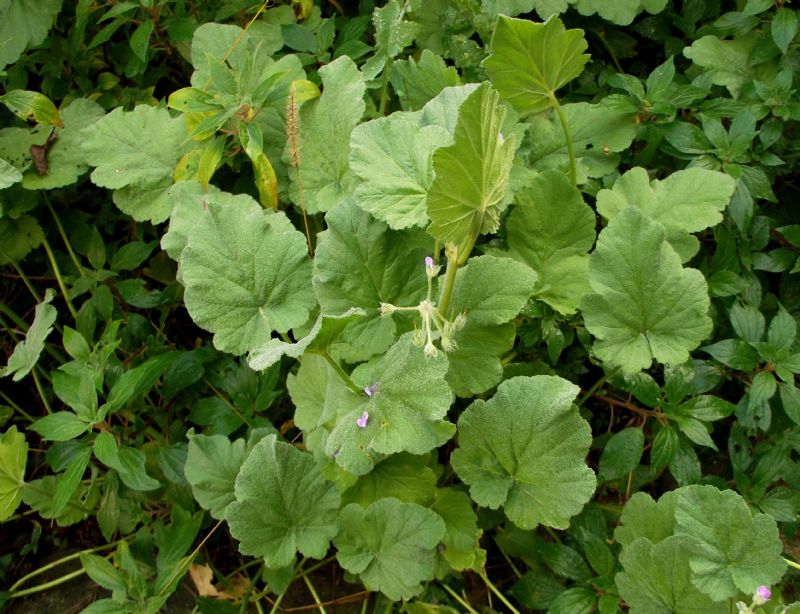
point(246, 274)
point(359, 262)
point(732, 549)
point(136, 152)
point(392, 35)
point(726, 61)
point(530, 61)
point(417, 81)
point(674, 202)
point(461, 540)
point(324, 129)
point(325, 331)
point(392, 158)
point(644, 305)
point(13, 458)
point(645, 517)
point(406, 411)
point(551, 229)
point(390, 545)
point(404, 476)
point(127, 461)
point(212, 464)
point(733, 353)
point(66, 161)
point(319, 394)
point(525, 449)
point(621, 454)
point(471, 175)
point(283, 505)
point(26, 353)
point(657, 579)
point(23, 24)
point(784, 28)
point(60, 426)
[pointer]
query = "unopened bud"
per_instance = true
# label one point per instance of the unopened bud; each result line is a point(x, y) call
point(431, 270)
point(762, 595)
point(386, 309)
point(430, 350)
point(418, 337)
point(460, 321)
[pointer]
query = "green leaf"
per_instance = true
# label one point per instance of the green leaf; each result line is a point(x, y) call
point(392, 35)
point(390, 545)
point(726, 61)
point(674, 202)
point(525, 449)
point(212, 464)
point(417, 81)
point(530, 61)
point(189, 201)
point(492, 290)
point(782, 331)
point(621, 454)
point(732, 549)
point(8, 175)
point(60, 426)
point(325, 331)
point(665, 447)
point(359, 262)
point(403, 476)
point(70, 479)
point(657, 579)
point(790, 399)
point(127, 461)
point(644, 307)
point(24, 24)
point(784, 28)
point(103, 573)
point(748, 322)
point(26, 353)
point(406, 412)
point(137, 381)
point(319, 394)
point(733, 353)
point(475, 365)
point(644, 517)
point(392, 158)
point(471, 175)
point(324, 137)
point(135, 152)
point(246, 274)
point(461, 540)
point(18, 237)
point(283, 505)
point(13, 457)
point(140, 39)
point(551, 229)
point(34, 106)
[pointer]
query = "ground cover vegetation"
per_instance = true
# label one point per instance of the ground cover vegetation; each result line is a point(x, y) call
point(421, 306)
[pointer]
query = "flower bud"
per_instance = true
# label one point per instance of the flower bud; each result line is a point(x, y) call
point(762, 595)
point(431, 270)
point(430, 350)
point(386, 309)
point(418, 337)
point(460, 321)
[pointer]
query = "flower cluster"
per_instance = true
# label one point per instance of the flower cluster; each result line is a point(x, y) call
point(433, 324)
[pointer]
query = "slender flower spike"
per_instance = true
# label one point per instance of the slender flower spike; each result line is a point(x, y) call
point(762, 595)
point(362, 421)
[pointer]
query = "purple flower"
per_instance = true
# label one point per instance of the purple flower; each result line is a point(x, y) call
point(371, 389)
point(429, 263)
point(362, 421)
point(762, 595)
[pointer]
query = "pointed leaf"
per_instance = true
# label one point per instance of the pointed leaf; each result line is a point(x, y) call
point(467, 193)
point(127, 461)
point(390, 545)
point(406, 411)
point(392, 35)
point(13, 458)
point(324, 137)
point(525, 449)
point(644, 305)
point(530, 61)
point(26, 353)
point(247, 273)
point(551, 229)
point(283, 505)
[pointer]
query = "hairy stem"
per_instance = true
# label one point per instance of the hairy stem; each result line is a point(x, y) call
point(64, 238)
point(341, 372)
point(497, 592)
point(449, 284)
point(464, 603)
point(60, 280)
point(573, 166)
point(588, 394)
point(314, 594)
